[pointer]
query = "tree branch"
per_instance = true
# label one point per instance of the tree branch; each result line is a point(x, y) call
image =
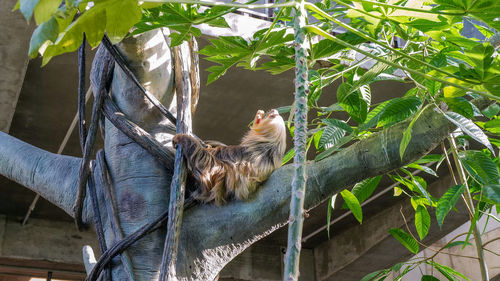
point(211, 236)
point(53, 176)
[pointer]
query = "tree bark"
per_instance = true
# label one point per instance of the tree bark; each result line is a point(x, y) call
point(211, 236)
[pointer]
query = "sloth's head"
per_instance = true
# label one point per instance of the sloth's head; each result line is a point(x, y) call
point(268, 129)
point(269, 125)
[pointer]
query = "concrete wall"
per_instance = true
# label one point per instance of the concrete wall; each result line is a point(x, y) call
point(41, 246)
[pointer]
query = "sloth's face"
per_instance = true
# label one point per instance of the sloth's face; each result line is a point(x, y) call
point(270, 123)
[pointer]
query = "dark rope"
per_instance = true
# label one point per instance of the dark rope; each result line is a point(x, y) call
point(123, 65)
point(137, 134)
point(122, 245)
point(97, 218)
point(81, 94)
point(89, 146)
point(111, 209)
point(103, 105)
point(83, 137)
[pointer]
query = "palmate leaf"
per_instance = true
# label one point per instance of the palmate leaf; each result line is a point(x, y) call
point(468, 127)
point(405, 239)
point(327, 48)
point(448, 201)
point(232, 50)
point(481, 58)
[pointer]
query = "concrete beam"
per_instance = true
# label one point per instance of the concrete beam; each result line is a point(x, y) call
point(41, 246)
point(264, 261)
point(15, 34)
point(364, 248)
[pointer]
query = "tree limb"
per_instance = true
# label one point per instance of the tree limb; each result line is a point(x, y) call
point(53, 176)
point(211, 236)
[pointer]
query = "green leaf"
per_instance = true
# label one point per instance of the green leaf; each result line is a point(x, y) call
point(47, 31)
point(288, 156)
point(374, 115)
point(327, 48)
point(405, 239)
point(447, 271)
point(331, 203)
point(492, 192)
point(364, 189)
point(427, 25)
point(481, 58)
point(491, 110)
point(331, 136)
point(422, 221)
point(428, 278)
point(422, 168)
point(45, 10)
point(457, 243)
point(369, 76)
point(461, 106)
point(448, 201)
point(407, 135)
point(492, 126)
point(480, 166)
point(374, 275)
point(352, 102)
point(468, 127)
point(398, 110)
point(430, 158)
point(353, 204)
point(27, 7)
point(17, 6)
point(92, 22)
point(102, 17)
point(334, 148)
point(338, 123)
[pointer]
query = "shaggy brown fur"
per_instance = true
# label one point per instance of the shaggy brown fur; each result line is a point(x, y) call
point(222, 172)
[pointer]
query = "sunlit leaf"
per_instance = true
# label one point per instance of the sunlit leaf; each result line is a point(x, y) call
point(448, 201)
point(405, 239)
point(353, 204)
point(468, 127)
point(422, 221)
point(364, 189)
point(399, 110)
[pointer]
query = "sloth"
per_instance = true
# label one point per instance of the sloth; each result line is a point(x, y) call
point(224, 172)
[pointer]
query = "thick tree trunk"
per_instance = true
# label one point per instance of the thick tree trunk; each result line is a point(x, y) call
point(211, 236)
